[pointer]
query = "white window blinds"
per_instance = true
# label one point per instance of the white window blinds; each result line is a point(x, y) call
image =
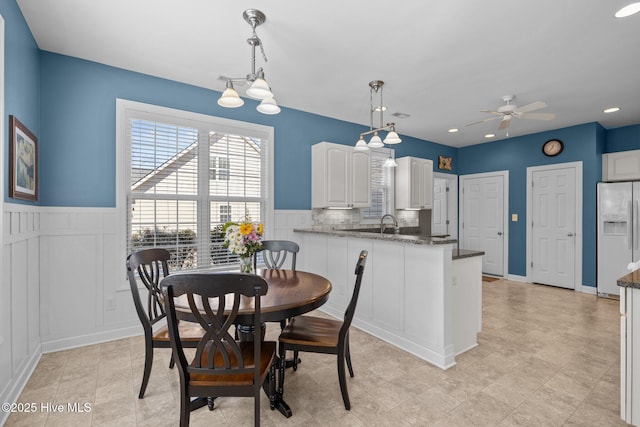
point(380, 188)
point(186, 181)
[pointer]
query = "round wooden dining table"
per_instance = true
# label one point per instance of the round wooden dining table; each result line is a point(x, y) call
point(290, 293)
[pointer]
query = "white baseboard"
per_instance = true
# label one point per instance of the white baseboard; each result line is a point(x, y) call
point(15, 387)
point(84, 340)
point(516, 278)
point(592, 290)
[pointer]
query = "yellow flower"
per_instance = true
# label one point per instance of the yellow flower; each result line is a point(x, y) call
point(246, 228)
point(260, 228)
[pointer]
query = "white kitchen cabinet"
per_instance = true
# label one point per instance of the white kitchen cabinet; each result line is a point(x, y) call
point(414, 183)
point(340, 176)
point(621, 166)
point(630, 354)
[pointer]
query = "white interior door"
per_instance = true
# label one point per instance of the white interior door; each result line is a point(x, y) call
point(553, 227)
point(483, 219)
point(439, 214)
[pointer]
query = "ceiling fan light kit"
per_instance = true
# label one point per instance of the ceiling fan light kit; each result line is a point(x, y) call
point(375, 86)
point(259, 88)
point(507, 112)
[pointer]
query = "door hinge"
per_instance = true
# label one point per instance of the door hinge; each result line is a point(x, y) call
point(446, 189)
point(447, 222)
point(531, 264)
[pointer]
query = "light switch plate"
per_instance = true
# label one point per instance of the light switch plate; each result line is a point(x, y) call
point(514, 217)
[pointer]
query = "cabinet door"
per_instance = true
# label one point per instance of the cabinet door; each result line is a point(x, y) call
point(622, 166)
point(416, 187)
point(337, 176)
point(426, 184)
point(360, 179)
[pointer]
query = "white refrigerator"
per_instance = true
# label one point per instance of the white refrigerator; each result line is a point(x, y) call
point(618, 232)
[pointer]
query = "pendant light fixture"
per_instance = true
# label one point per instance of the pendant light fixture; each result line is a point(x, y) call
point(375, 86)
point(259, 88)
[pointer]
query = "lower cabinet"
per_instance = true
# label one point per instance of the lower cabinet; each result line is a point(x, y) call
point(413, 296)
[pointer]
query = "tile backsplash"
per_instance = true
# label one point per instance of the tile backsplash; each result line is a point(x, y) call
point(351, 217)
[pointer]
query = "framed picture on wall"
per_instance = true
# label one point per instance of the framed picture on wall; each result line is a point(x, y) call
point(444, 163)
point(23, 161)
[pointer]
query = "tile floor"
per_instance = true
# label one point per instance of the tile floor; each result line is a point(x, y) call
point(546, 357)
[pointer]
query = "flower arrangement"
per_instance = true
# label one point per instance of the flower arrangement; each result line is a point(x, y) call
point(243, 239)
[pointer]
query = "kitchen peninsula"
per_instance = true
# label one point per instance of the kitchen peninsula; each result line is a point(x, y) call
point(419, 293)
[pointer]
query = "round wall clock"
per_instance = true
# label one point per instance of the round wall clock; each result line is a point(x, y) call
point(552, 147)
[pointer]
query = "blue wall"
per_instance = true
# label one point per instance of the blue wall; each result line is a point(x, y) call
point(22, 70)
point(623, 139)
point(78, 120)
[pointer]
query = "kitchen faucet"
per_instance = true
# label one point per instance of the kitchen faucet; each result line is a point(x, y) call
point(395, 224)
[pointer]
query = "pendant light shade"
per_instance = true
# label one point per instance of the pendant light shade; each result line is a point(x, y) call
point(361, 145)
point(268, 106)
point(392, 138)
point(230, 98)
point(259, 89)
point(375, 141)
point(390, 163)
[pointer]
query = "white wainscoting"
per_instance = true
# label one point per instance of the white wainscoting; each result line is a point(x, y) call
point(20, 289)
point(64, 283)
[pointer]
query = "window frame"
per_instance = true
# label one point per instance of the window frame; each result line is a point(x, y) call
point(125, 109)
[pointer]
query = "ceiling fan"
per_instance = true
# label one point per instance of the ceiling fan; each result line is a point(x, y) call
point(508, 111)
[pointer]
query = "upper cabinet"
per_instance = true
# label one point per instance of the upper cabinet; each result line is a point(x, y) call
point(340, 176)
point(621, 166)
point(414, 183)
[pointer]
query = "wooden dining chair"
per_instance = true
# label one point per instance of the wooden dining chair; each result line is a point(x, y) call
point(274, 253)
point(221, 365)
point(150, 266)
point(320, 335)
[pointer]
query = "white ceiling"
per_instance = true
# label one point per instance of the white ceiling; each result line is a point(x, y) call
point(442, 61)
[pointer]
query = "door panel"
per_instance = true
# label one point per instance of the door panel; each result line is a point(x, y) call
point(553, 227)
point(439, 214)
point(483, 224)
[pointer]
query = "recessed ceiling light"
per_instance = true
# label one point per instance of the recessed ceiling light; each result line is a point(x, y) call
point(453, 130)
point(612, 110)
point(401, 115)
point(628, 10)
point(489, 135)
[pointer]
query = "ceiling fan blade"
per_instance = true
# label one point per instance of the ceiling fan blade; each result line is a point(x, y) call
point(531, 107)
point(538, 116)
point(497, 113)
point(504, 124)
point(481, 121)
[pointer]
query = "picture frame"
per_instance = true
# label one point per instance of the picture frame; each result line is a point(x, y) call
point(444, 163)
point(23, 161)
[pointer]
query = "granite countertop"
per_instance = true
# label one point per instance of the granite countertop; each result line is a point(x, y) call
point(466, 253)
point(376, 235)
point(631, 280)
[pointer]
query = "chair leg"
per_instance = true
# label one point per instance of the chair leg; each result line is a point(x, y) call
point(348, 356)
point(256, 407)
point(172, 362)
point(148, 362)
point(343, 381)
point(295, 360)
point(185, 405)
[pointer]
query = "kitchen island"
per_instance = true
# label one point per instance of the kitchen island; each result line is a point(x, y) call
point(419, 293)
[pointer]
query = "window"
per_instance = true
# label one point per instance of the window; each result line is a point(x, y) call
point(381, 188)
point(219, 169)
point(188, 174)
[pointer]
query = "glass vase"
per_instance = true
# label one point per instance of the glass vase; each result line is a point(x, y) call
point(246, 265)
